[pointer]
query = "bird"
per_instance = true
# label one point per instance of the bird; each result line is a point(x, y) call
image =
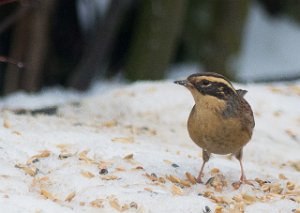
point(221, 121)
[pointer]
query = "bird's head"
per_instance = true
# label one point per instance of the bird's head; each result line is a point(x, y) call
point(209, 88)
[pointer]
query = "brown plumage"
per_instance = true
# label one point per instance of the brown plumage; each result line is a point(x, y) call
point(221, 121)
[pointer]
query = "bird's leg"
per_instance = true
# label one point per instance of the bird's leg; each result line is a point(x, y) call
point(239, 156)
point(205, 157)
point(243, 178)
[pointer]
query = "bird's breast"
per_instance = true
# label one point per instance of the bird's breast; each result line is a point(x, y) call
point(219, 135)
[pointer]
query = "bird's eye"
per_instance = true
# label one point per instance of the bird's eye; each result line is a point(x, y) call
point(205, 83)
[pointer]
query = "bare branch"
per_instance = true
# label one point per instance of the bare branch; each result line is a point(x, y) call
point(19, 64)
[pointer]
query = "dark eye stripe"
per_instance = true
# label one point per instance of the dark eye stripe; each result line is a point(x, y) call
point(205, 82)
point(217, 89)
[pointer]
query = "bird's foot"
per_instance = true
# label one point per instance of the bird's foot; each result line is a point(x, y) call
point(243, 180)
point(199, 178)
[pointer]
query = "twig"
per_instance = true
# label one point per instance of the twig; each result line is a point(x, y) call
point(11, 61)
point(2, 2)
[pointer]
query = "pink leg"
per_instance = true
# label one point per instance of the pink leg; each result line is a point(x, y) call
point(205, 157)
point(243, 178)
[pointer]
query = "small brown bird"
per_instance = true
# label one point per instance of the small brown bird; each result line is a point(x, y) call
point(221, 121)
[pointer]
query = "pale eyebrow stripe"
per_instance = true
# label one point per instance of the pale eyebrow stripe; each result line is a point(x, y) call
point(216, 79)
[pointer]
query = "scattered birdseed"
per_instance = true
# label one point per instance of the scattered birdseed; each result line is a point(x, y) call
point(207, 194)
point(296, 165)
point(83, 156)
point(174, 165)
point(185, 183)
point(35, 158)
point(30, 170)
point(133, 205)
point(292, 134)
point(237, 198)
point(173, 178)
point(109, 177)
point(48, 195)
point(218, 182)
point(265, 188)
point(176, 190)
point(98, 203)
point(70, 197)
point(148, 189)
point(219, 209)
point(6, 123)
point(276, 188)
point(17, 132)
point(123, 140)
point(87, 174)
point(161, 180)
point(152, 177)
point(236, 185)
point(139, 168)
point(277, 113)
point(128, 157)
point(62, 156)
point(191, 178)
point(168, 162)
point(120, 169)
point(103, 171)
point(114, 202)
point(206, 209)
point(214, 171)
point(110, 124)
point(248, 199)
point(218, 199)
point(290, 185)
point(282, 176)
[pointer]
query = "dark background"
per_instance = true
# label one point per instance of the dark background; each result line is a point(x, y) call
point(138, 39)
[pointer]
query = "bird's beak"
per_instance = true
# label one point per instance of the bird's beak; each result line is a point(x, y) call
point(185, 83)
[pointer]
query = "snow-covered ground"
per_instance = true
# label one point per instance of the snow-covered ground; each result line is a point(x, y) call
point(270, 48)
point(126, 148)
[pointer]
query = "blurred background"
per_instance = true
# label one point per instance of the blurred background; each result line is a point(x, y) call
point(73, 42)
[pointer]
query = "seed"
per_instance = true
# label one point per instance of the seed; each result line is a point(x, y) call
point(70, 197)
point(290, 185)
point(103, 172)
point(133, 205)
point(161, 180)
point(191, 178)
point(98, 203)
point(173, 179)
point(128, 157)
point(282, 176)
point(236, 185)
point(154, 175)
point(207, 209)
point(174, 165)
point(62, 156)
point(176, 190)
point(214, 171)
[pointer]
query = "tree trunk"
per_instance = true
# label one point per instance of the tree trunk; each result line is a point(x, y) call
point(99, 49)
point(158, 26)
point(29, 45)
point(214, 31)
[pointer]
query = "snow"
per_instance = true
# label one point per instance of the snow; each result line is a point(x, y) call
point(271, 47)
point(137, 133)
point(148, 120)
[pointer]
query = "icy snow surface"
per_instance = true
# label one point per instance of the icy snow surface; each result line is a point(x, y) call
point(270, 48)
point(137, 133)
